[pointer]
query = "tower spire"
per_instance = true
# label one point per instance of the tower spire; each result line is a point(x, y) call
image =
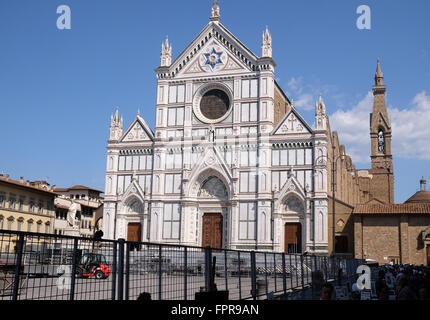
point(380, 138)
point(379, 76)
point(215, 12)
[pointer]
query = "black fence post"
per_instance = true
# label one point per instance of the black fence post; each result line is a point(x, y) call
point(208, 268)
point(127, 270)
point(114, 269)
point(73, 275)
point(291, 272)
point(239, 273)
point(185, 273)
point(121, 269)
point(253, 276)
point(303, 271)
point(18, 267)
point(275, 271)
point(284, 274)
point(265, 269)
point(160, 272)
point(326, 268)
point(225, 270)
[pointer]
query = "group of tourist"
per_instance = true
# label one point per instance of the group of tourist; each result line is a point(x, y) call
point(393, 282)
point(408, 282)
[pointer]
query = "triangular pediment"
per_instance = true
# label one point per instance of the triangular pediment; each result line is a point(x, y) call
point(214, 50)
point(213, 58)
point(211, 158)
point(292, 123)
point(133, 190)
point(138, 131)
point(291, 188)
point(210, 164)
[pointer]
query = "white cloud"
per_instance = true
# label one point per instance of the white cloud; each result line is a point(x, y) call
point(410, 129)
point(306, 93)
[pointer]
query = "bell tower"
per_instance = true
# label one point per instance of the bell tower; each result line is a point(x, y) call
point(380, 137)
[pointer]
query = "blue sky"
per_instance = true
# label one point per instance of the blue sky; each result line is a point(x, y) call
point(58, 88)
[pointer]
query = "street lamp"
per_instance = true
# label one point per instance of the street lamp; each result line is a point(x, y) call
point(333, 188)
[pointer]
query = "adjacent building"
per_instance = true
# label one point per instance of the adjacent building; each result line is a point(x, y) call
point(395, 233)
point(78, 211)
point(25, 206)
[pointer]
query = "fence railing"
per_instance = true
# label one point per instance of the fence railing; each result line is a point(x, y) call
point(53, 267)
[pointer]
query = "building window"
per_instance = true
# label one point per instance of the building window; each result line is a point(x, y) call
point(173, 183)
point(250, 88)
point(9, 223)
point(224, 131)
point(247, 220)
point(29, 225)
point(248, 158)
point(175, 116)
point(145, 183)
point(200, 132)
point(175, 133)
point(19, 224)
point(123, 183)
point(2, 199)
point(174, 160)
point(47, 227)
point(381, 141)
point(248, 182)
point(31, 206)
point(172, 221)
point(21, 203)
point(1, 222)
point(40, 207)
point(38, 225)
point(12, 202)
point(249, 112)
point(341, 244)
point(177, 94)
point(138, 162)
point(249, 130)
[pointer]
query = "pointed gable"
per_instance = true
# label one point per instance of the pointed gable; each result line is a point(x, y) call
point(292, 123)
point(138, 131)
point(215, 49)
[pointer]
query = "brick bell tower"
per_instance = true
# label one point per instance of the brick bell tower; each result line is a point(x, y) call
point(380, 137)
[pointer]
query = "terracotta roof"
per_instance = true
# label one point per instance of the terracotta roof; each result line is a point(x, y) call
point(409, 208)
point(420, 197)
point(78, 187)
point(24, 185)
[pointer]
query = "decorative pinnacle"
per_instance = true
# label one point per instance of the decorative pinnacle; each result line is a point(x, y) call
point(215, 12)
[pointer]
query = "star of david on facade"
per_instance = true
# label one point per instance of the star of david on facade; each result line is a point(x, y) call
point(213, 58)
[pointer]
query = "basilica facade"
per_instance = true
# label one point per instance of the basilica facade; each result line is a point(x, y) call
point(231, 163)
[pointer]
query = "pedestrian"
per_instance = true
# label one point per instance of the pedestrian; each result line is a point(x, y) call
point(405, 291)
point(380, 282)
point(326, 292)
point(144, 296)
point(383, 293)
point(422, 293)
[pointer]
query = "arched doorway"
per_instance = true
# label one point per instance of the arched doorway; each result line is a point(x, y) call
point(212, 196)
point(293, 238)
point(134, 212)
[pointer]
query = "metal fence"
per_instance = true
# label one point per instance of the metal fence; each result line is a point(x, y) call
point(53, 267)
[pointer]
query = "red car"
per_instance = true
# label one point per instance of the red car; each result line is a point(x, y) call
point(93, 265)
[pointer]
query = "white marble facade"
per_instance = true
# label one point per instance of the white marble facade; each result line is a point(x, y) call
point(231, 160)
